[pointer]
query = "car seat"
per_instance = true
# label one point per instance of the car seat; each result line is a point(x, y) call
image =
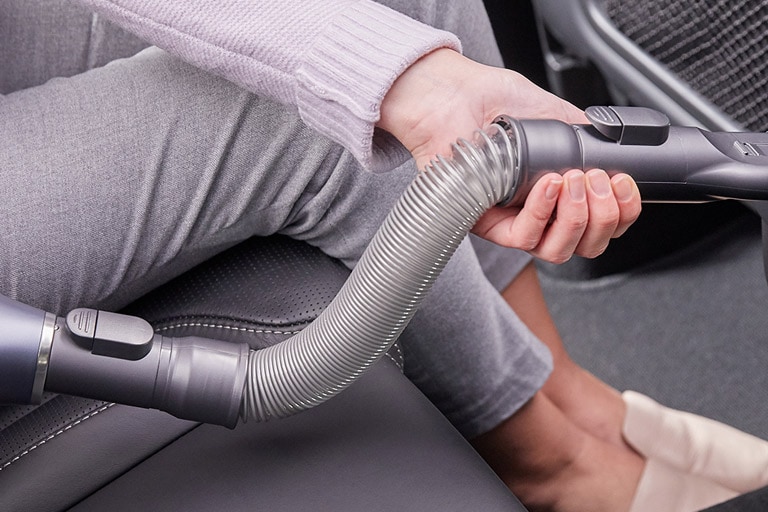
point(380, 445)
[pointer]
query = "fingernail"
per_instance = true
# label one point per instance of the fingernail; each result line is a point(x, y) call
point(623, 189)
point(553, 189)
point(599, 183)
point(577, 187)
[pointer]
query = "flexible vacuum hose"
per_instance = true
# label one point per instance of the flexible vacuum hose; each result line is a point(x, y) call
point(389, 283)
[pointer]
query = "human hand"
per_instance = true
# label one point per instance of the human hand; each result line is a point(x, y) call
point(444, 96)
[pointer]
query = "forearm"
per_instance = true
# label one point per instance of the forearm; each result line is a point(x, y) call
point(334, 60)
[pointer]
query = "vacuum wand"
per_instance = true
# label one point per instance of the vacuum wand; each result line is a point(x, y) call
point(669, 163)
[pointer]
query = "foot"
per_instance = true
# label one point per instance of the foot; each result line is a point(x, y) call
point(551, 464)
point(601, 478)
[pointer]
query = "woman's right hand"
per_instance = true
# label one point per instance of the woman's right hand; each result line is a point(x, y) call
point(444, 96)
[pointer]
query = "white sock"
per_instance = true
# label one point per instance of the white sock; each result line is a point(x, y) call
point(666, 489)
point(695, 444)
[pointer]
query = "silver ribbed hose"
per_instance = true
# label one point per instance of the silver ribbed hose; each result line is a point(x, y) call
point(389, 283)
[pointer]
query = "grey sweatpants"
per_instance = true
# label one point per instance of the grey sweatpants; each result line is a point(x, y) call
point(120, 174)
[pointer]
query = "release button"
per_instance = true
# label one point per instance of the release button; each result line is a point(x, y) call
point(111, 334)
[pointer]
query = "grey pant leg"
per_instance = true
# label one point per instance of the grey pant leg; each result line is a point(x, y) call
point(470, 353)
point(476, 384)
point(467, 19)
point(123, 177)
point(42, 39)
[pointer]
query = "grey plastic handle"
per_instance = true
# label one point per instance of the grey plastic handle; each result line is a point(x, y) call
point(669, 163)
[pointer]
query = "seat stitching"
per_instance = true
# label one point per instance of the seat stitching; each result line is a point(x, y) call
point(56, 434)
point(397, 363)
point(399, 359)
point(226, 327)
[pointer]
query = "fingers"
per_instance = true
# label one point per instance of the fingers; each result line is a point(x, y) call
point(577, 213)
point(523, 228)
point(628, 199)
point(564, 235)
point(603, 215)
point(533, 221)
point(592, 209)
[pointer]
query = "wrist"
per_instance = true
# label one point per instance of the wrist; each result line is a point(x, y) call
point(422, 92)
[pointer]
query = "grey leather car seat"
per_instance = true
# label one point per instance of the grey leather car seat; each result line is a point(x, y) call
point(379, 446)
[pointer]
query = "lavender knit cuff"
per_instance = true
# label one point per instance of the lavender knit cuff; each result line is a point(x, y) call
point(349, 69)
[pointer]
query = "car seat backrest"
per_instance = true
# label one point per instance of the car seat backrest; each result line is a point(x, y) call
point(720, 48)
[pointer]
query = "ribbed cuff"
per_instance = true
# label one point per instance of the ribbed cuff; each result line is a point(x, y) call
point(351, 66)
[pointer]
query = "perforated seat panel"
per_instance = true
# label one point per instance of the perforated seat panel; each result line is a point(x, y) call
point(24, 429)
point(261, 292)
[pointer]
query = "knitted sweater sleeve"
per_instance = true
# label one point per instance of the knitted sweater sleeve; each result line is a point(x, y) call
point(333, 59)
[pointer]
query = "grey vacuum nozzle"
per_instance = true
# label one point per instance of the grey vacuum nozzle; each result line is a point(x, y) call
point(107, 356)
point(118, 358)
